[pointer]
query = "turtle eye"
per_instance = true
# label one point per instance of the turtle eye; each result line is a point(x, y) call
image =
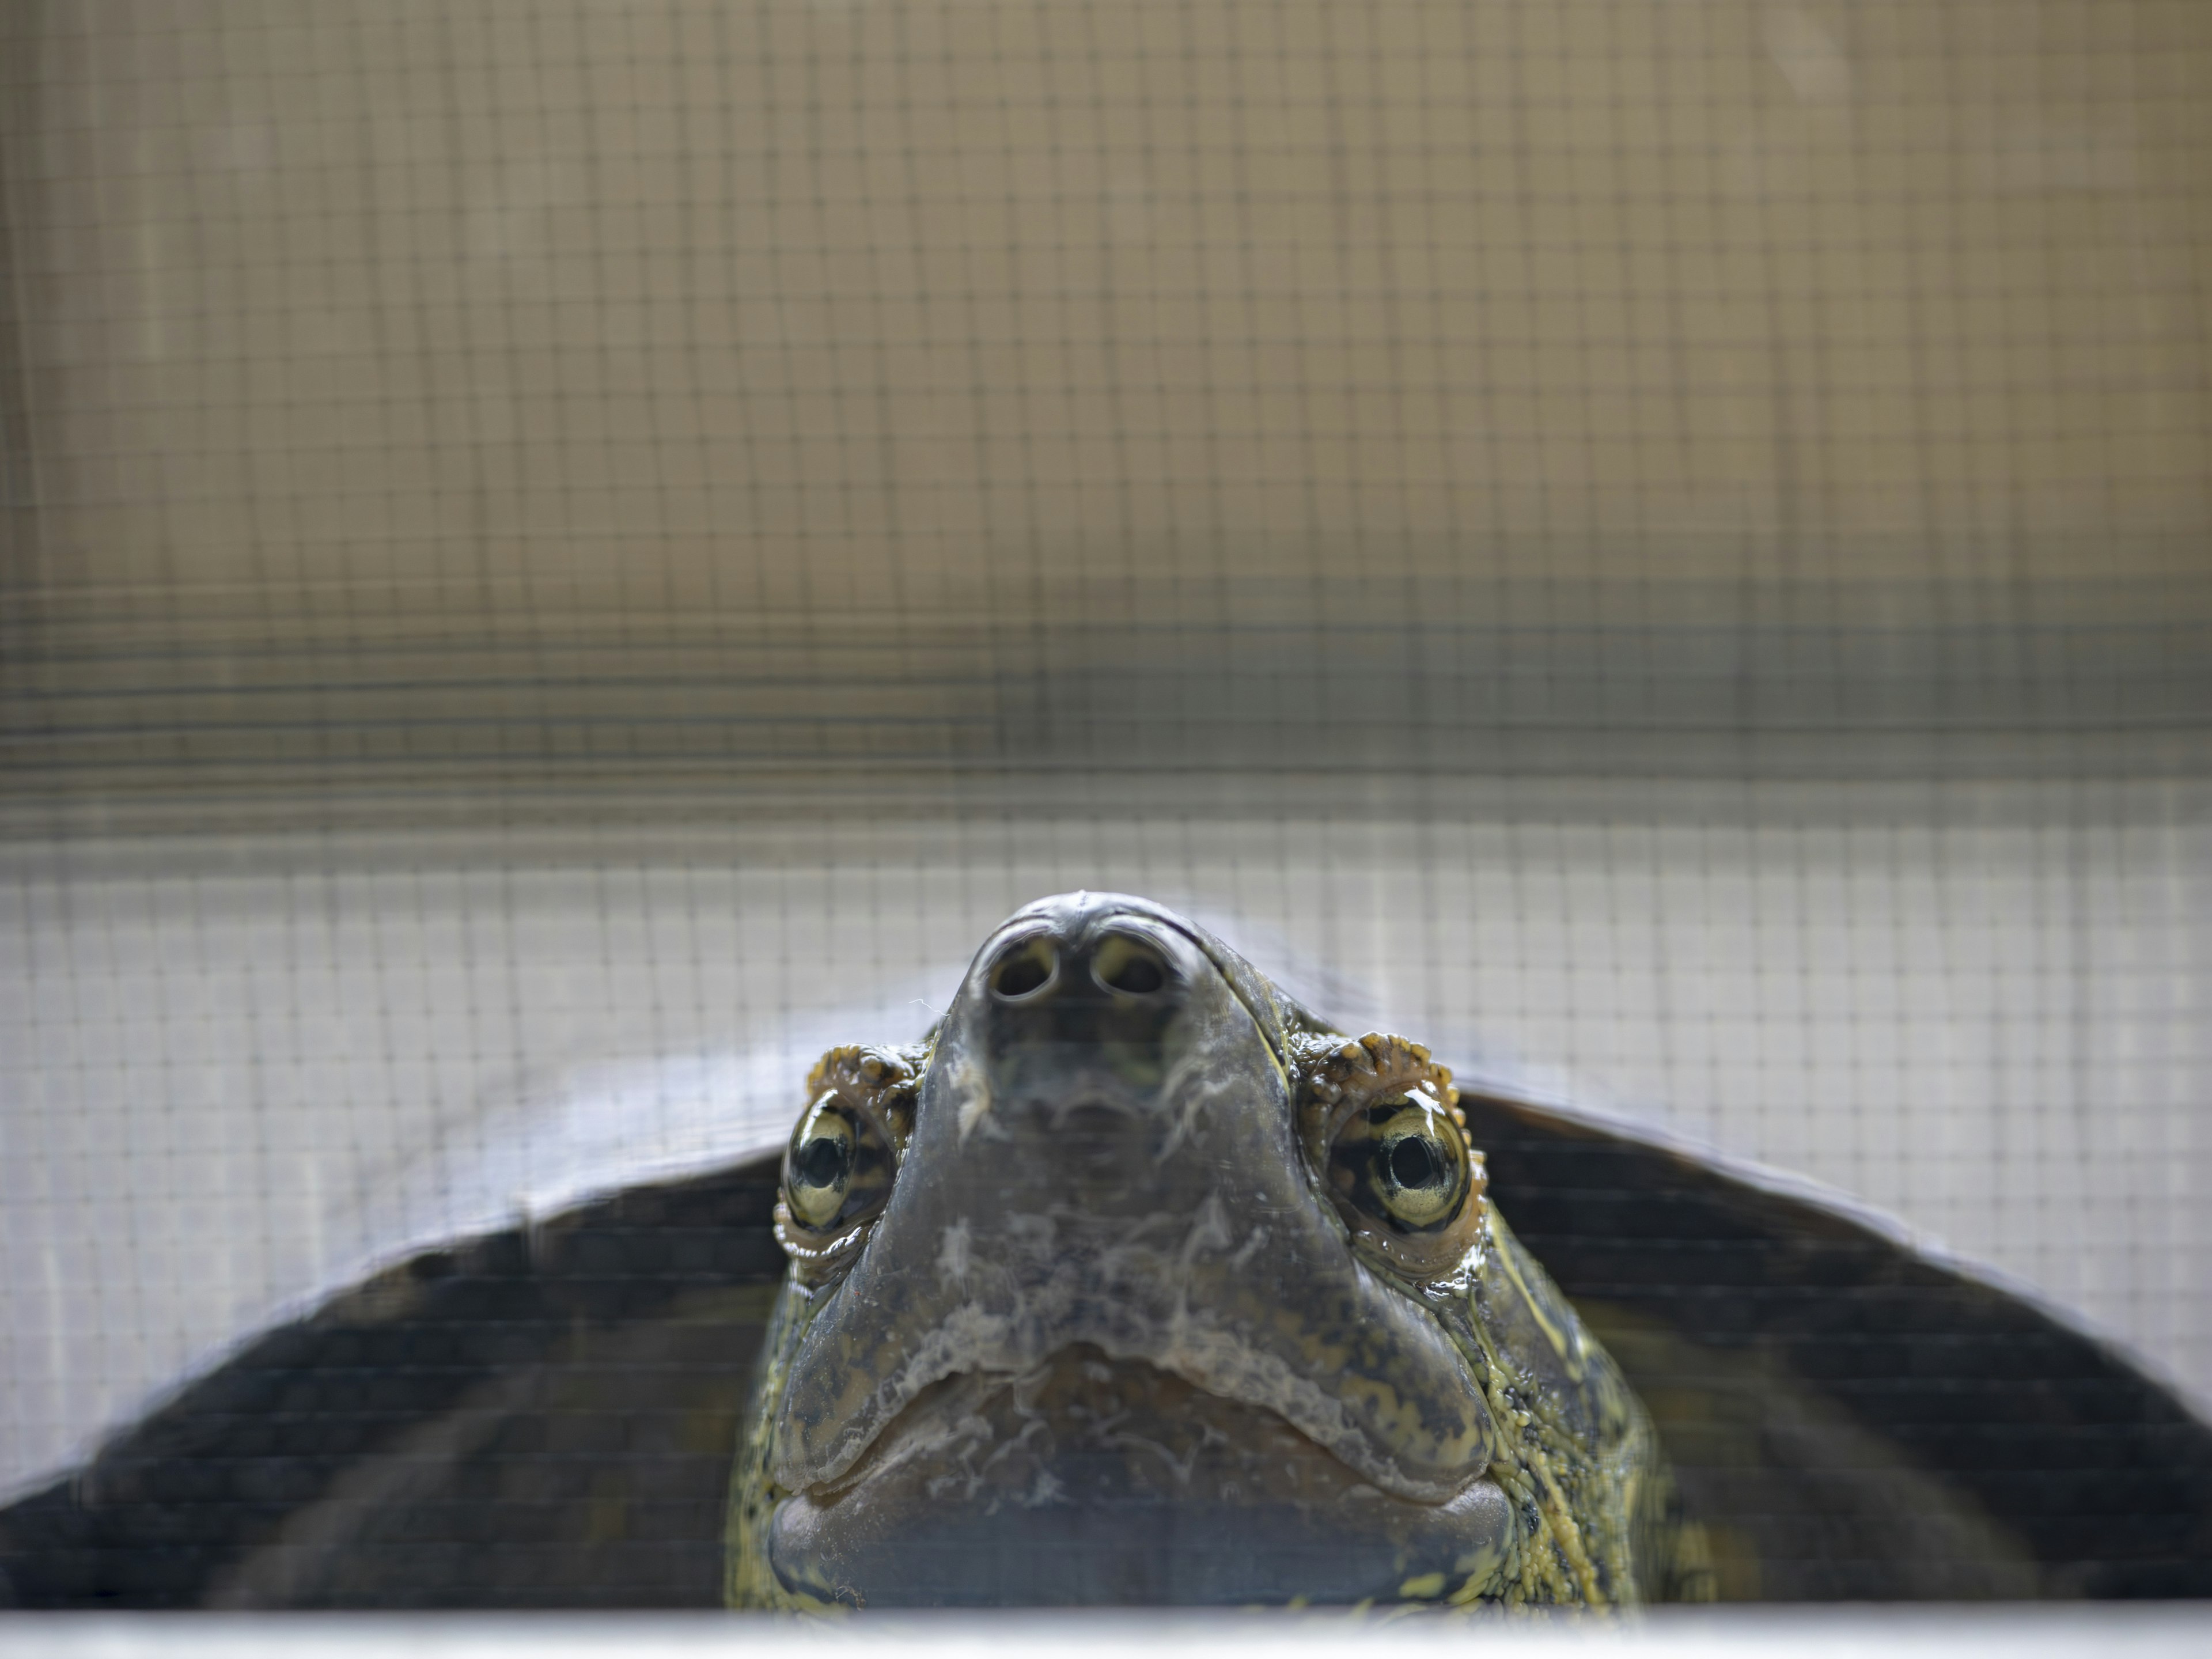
point(1419, 1166)
point(1402, 1165)
point(837, 1171)
point(1383, 1135)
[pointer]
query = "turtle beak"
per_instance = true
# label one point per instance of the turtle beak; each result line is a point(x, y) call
point(1105, 1303)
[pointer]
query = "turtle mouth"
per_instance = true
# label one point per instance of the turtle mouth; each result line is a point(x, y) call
point(1091, 1479)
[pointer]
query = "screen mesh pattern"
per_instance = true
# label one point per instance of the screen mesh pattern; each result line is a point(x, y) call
point(561, 557)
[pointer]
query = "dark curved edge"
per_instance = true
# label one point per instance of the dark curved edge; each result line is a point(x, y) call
point(595, 1363)
point(544, 1417)
point(2101, 1475)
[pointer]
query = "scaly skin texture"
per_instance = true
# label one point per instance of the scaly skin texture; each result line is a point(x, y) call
point(1586, 1515)
point(1579, 1458)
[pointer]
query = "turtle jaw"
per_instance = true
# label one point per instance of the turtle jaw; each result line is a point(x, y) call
point(1090, 1480)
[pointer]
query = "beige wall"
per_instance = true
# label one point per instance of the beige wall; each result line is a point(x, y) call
point(358, 336)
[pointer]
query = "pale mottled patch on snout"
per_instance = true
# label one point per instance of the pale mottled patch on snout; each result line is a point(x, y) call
point(969, 1083)
point(952, 1255)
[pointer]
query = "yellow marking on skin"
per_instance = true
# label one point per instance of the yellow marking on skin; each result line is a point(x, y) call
point(1569, 1355)
point(1399, 1421)
point(1567, 1532)
point(1483, 1567)
point(1558, 1560)
point(1426, 1588)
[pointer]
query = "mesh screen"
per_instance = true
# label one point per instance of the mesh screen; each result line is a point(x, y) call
point(559, 557)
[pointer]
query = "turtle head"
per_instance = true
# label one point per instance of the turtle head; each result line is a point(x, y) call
point(1125, 1289)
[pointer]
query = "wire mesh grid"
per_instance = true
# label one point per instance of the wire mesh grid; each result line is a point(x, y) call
point(559, 556)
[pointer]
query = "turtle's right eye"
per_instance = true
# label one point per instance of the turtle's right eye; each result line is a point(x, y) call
point(837, 1171)
point(844, 1155)
point(1402, 1166)
point(1383, 1127)
point(821, 1168)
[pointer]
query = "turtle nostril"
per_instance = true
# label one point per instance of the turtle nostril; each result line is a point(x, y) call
point(1023, 971)
point(1139, 975)
point(1125, 965)
point(1021, 976)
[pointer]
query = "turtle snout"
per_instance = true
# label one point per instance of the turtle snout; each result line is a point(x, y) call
point(1122, 968)
point(1077, 1016)
point(1095, 990)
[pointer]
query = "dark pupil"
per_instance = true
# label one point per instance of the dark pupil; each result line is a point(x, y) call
point(821, 1162)
point(1414, 1164)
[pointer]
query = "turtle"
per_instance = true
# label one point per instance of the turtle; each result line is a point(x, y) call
point(1136, 1281)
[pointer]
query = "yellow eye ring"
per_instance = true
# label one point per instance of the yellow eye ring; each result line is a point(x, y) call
point(819, 1168)
point(1419, 1166)
point(1382, 1131)
point(843, 1154)
point(1401, 1163)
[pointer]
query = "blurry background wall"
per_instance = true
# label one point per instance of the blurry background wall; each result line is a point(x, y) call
point(1667, 543)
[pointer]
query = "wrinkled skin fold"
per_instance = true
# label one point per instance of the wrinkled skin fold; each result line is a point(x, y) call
point(1126, 1326)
